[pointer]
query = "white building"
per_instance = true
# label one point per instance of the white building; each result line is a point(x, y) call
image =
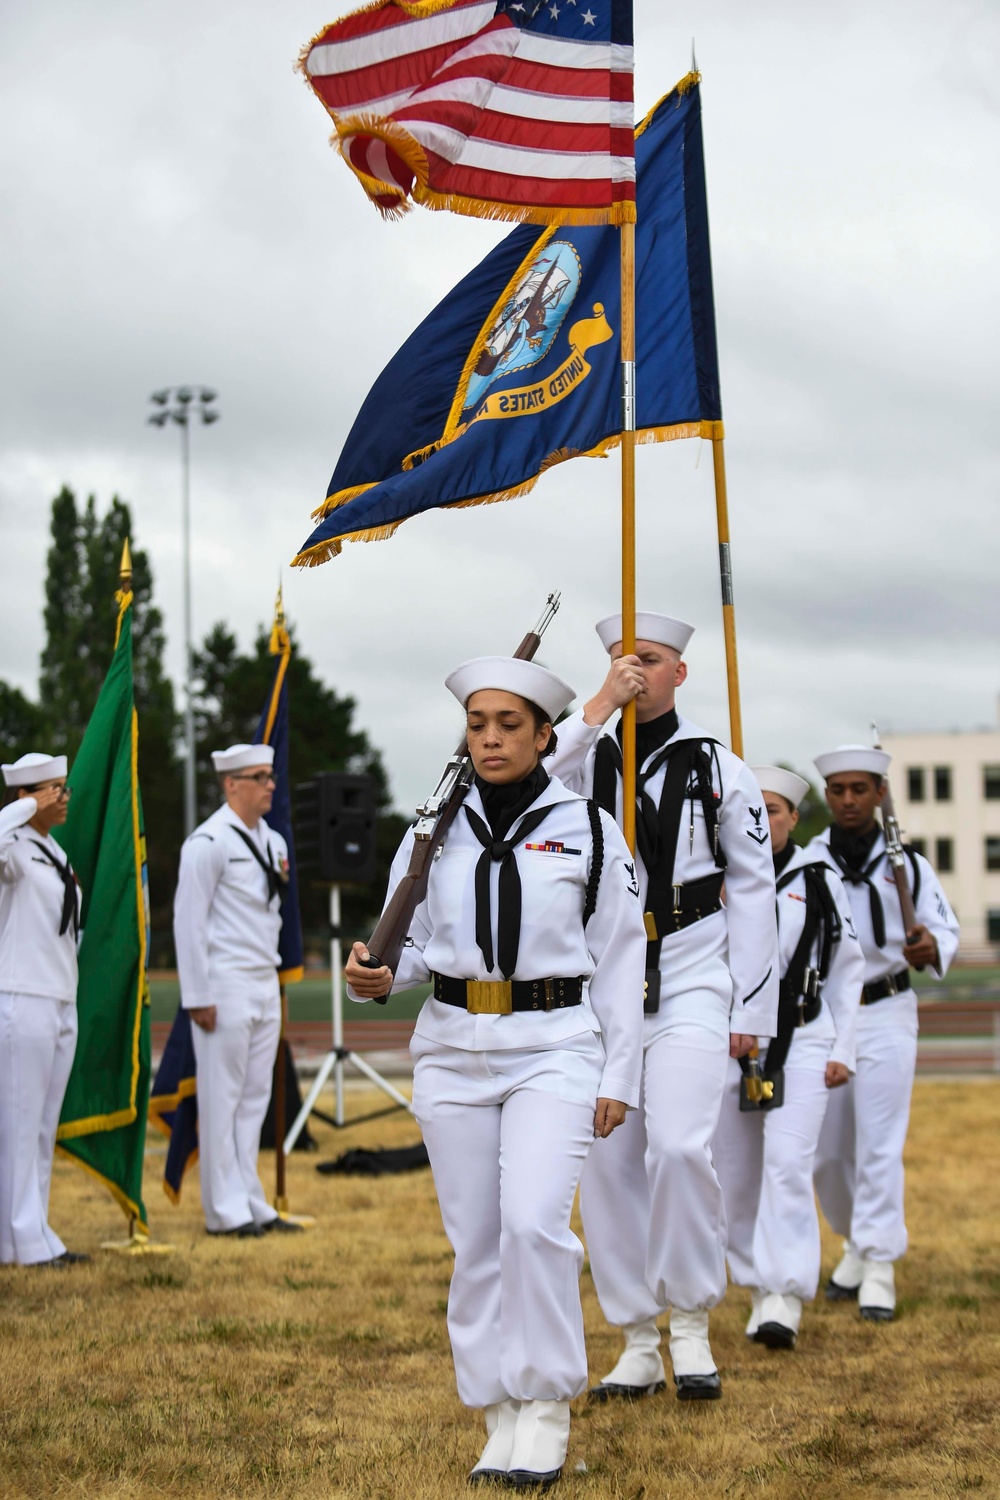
point(947, 793)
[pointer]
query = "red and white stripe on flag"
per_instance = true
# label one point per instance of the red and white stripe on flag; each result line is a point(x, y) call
point(509, 109)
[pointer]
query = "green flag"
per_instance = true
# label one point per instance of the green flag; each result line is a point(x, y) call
point(103, 1121)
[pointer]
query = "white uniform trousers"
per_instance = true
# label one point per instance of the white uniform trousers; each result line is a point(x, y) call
point(859, 1164)
point(235, 1065)
point(765, 1164)
point(37, 1046)
point(652, 1205)
point(507, 1133)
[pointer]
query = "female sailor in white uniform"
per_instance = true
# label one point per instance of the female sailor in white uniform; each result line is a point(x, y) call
point(39, 923)
point(764, 1152)
point(532, 935)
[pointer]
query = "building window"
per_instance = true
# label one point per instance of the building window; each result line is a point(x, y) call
point(991, 783)
point(993, 925)
point(915, 783)
point(944, 856)
point(993, 854)
point(919, 846)
point(942, 783)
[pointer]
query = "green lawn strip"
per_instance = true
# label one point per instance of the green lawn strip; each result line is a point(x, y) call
point(307, 1001)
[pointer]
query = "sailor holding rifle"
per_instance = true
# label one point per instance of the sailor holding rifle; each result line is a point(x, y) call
point(859, 1164)
point(769, 1128)
point(227, 921)
point(652, 1205)
point(39, 932)
point(530, 1047)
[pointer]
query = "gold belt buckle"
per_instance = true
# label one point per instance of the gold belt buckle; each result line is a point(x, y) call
point(649, 922)
point(489, 997)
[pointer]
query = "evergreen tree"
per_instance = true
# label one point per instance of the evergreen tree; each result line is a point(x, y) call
point(80, 611)
point(231, 691)
point(22, 724)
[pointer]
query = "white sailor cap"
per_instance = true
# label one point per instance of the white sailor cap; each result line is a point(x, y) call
point(660, 628)
point(509, 675)
point(852, 758)
point(775, 779)
point(238, 757)
point(33, 768)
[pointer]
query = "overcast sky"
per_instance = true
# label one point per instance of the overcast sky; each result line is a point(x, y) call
point(173, 212)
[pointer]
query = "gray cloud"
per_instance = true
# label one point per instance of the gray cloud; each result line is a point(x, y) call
point(175, 212)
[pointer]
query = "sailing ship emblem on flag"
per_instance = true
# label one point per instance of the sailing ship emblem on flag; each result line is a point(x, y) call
point(530, 319)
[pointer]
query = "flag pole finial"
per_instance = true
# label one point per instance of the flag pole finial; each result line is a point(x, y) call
point(125, 568)
point(279, 641)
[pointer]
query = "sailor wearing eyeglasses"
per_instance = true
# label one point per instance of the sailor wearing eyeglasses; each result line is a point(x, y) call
point(227, 920)
point(39, 927)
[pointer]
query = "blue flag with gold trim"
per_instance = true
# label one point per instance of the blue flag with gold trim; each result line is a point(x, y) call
point(518, 368)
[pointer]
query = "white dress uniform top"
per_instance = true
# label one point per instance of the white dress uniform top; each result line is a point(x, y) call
point(506, 1102)
point(859, 1164)
point(39, 922)
point(227, 921)
point(765, 1158)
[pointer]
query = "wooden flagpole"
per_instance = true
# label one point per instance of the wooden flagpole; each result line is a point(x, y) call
point(628, 519)
point(726, 580)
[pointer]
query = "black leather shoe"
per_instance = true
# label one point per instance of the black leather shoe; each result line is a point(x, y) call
point(775, 1336)
point(68, 1258)
point(484, 1477)
point(837, 1293)
point(698, 1387)
point(283, 1226)
point(525, 1479)
point(877, 1314)
point(608, 1392)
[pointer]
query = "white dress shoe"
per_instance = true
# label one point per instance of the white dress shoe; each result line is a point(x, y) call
point(695, 1374)
point(753, 1322)
point(778, 1325)
point(494, 1461)
point(843, 1284)
point(639, 1371)
point(877, 1292)
point(541, 1438)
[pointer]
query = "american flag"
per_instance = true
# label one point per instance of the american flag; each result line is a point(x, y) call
point(512, 109)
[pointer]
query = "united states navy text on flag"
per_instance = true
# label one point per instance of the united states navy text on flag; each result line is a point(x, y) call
point(518, 368)
point(516, 109)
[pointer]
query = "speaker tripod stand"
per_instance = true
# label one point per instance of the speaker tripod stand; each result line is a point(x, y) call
point(338, 1055)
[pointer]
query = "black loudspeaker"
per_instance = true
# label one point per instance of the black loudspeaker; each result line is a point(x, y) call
point(335, 827)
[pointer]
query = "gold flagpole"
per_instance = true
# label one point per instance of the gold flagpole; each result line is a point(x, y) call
point(628, 519)
point(726, 580)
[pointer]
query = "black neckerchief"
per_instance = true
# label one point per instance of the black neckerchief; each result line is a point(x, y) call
point(784, 857)
point(853, 848)
point(850, 852)
point(70, 907)
point(504, 804)
point(503, 813)
point(650, 736)
point(277, 883)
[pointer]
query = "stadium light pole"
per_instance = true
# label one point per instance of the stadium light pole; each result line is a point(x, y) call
point(186, 405)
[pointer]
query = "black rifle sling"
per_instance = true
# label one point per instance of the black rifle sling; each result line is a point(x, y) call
point(276, 885)
point(822, 924)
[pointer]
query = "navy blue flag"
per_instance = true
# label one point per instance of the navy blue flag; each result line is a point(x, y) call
point(173, 1104)
point(518, 368)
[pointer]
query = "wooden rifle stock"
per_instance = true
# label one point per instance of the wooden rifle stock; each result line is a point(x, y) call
point(895, 852)
point(434, 819)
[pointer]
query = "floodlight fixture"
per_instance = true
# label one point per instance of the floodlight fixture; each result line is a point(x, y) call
point(179, 404)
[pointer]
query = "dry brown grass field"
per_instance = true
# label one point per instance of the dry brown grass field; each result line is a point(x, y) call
point(318, 1365)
